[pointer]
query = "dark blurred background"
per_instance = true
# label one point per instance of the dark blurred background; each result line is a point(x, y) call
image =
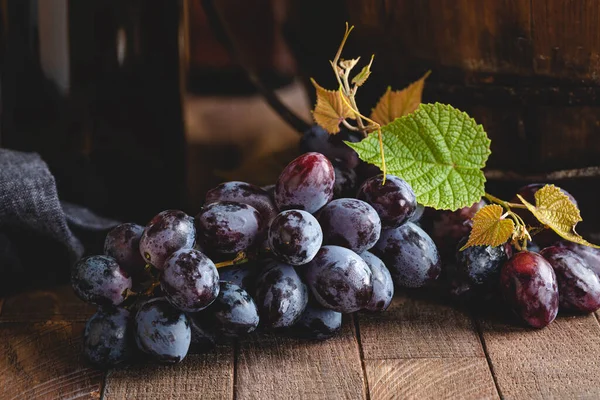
point(137, 106)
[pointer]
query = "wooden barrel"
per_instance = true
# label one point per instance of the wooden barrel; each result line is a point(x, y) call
point(528, 70)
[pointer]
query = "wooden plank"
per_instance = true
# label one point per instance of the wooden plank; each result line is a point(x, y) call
point(56, 304)
point(559, 361)
point(418, 328)
point(277, 367)
point(430, 378)
point(44, 361)
point(206, 376)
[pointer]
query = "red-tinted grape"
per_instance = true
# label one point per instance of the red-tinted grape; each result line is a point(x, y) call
point(100, 280)
point(123, 244)
point(590, 255)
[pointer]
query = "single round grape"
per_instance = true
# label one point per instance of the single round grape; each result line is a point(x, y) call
point(190, 280)
point(394, 201)
point(123, 244)
point(295, 236)
point(166, 233)
point(480, 265)
point(528, 284)
point(306, 183)
point(107, 337)
point(243, 275)
point(345, 181)
point(350, 223)
point(410, 255)
point(318, 323)
point(383, 285)
point(339, 279)
point(234, 312)
point(590, 255)
point(100, 280)
point(281, 296)
point(317, 139)
point(245, 193)
point(227, 228)
point(162, 331)
point(578, 285)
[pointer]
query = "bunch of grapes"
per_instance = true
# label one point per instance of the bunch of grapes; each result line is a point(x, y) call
point(289, 259)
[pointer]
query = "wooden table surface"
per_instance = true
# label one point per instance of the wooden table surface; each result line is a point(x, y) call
point(417, 349)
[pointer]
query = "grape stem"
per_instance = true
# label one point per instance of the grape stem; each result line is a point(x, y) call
point(503, 203)
point(240, 258)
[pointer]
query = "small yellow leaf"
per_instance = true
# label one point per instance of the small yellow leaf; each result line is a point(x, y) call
point(398, 103)
point(330, 109)
point(554, 209)
point(349, 64)
point(489, 228)
point(364, 73)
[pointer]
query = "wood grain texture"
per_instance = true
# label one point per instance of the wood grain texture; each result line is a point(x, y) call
point(44, 361)
point(417, 328)
point(276, 367)
point(207, 376)
point(57, 304)
point(430, 378)
point(558, 362)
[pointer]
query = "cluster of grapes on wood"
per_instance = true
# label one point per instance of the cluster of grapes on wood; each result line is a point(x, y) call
point(372, 206)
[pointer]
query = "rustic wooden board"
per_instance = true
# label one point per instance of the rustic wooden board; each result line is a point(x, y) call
point(206, 376)
point(276, 367)
point(559, 361)
point(44, 361)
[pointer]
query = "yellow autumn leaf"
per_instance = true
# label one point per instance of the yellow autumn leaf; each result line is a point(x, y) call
point(489, 228)
point(398, 103)
point(554, 209)
point(330, 109)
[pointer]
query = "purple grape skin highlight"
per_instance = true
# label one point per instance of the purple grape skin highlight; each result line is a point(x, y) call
point(339, 279)
point(295, 236)
point(162, 331)
point(166, 233)
point(590, 255)
point(578, 285)
point(100, 280)
point(306, 183)
point(227, 228)
point(350, 223)
point(245, 193)
point(190, 280)
point(123, 244)
point(234, 312)
point(394, 201)
point(528, 285)
point(281, 297)
point(383, 285)
point(317, 323)
point(107, 337)
point(409, 254)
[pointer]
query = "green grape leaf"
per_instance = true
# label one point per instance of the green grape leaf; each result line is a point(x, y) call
point(554, 209)
point(489, 228)
point(439, 150)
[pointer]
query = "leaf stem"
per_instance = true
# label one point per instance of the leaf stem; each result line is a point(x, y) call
point(503, 203)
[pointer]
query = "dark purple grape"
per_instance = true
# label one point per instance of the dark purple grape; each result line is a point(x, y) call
point(383, 285)
point(107, 337)
point(234, 312)
point(270, 189)
point(305, 184)
point(590, 255)
point(481, 265)
point(100, 280)
point(243, 275)
point(578, 285)
point(190, 280)
point(295, 236)
point(345, 181)
point(410, 255)
point(394, 201)
point(350, 223)
point(245, 193)
point(281, 296)
point(416, 217)
point(166, 233)
point(204, 335)
point(528, 284)
point(162, 331)
point(123, 244)
point(317, 322)
point(227, 228)
point(339, 279)
point(317, 139)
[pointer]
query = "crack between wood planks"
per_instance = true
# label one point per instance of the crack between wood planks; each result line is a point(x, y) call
point(361, 354)
point(104, 385)
point(487, 355)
